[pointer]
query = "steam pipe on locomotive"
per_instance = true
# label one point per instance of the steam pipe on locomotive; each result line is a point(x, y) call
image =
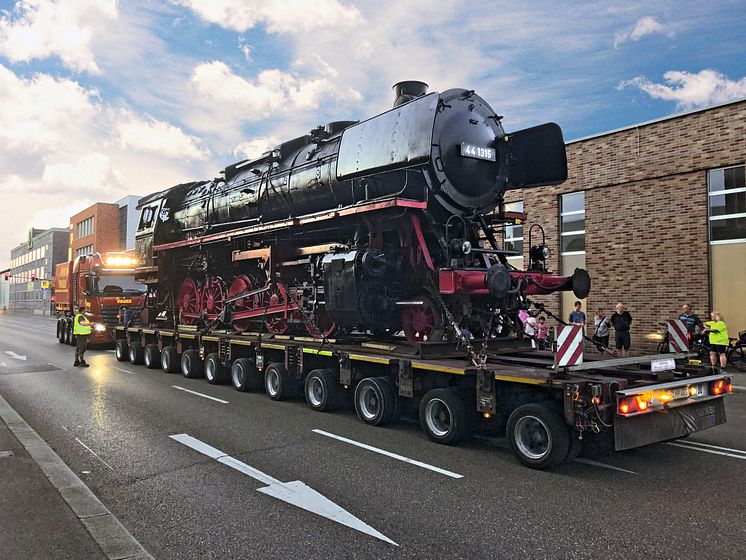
point(377, 226)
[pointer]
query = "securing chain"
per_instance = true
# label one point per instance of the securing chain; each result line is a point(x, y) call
point(478, 360)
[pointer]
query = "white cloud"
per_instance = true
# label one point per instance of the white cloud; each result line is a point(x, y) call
point(37, 29)
point(271, 91)
point(707, 87)
point(644, 26)
point(149, 134)
point(280, 16)
point(256, 147)
point(92, 172)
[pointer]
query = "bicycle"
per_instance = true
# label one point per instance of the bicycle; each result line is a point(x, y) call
point(697, 343)
point(736, 352)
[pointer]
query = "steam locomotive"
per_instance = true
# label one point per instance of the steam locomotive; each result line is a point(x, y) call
point(377, 227)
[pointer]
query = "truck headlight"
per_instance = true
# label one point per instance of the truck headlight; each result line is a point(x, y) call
point(99, 327)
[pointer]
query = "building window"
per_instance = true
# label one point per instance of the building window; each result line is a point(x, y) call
point(727, 204)
point(513, 235)
point(85, 227)
point(572, 223)
point(87, 250)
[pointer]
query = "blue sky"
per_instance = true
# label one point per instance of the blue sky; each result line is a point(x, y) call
point(104, 98)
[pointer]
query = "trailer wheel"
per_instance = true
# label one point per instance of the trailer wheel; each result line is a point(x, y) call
point(170, 360)
point(152, 356)
point(323, 391)
point(136, 353)
point(375, 401)
point(215, 371)
point(444, 416)
point(121, 351)
point(538, 436)
point(191, 365)
point(278, 384)
point(244, 375)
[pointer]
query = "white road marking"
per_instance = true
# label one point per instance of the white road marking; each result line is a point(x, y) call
point(124, 370)
point(603, 465)
point(390, 454)
point(739, 388)
point(14, 355)
point(702, 444)
point(94, 453)
point(295, 493)
point(742, 456)
point(200, 394)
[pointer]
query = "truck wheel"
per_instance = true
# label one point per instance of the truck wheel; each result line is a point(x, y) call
point(538, 436)
point(70, 336)
point(278, 384)
point(375, 401)
point(575, 447)
point(152, 356)
point(121, 350)
point(65, 333)
point(323, 391)
point(245, 377)
point(170, 360)
point(191, 365)
point(136, 353)
point(444, 416)
point(215, 372)
point(60, 332)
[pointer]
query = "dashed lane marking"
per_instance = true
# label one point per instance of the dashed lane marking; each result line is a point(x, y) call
point(707, 448)
point(603, 465)
point(389, 454)
point(124, 370)
point(94, 453)
point(199, 394)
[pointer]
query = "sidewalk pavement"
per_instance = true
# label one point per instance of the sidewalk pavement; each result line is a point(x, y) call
point(36, 521)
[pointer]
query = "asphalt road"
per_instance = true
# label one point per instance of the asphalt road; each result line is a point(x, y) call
point(111, 424)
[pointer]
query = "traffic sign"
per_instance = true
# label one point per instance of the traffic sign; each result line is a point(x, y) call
point(677, 338)
point(569, 346)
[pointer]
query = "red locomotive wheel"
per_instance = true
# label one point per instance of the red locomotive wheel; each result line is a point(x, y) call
point(422, 323)
point(276, 295)
point(240, 285)
point(213, 297)
point(190, 302)
point(322, 325)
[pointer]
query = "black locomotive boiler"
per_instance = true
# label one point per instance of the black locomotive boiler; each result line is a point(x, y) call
point(378, 226)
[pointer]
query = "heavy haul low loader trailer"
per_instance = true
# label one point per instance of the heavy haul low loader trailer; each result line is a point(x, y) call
point(546, 413)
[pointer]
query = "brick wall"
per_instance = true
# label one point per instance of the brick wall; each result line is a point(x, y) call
point(646, 212)
point(105, 235)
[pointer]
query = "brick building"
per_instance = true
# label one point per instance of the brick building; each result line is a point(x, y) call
point(656, 213)
point(104, 227)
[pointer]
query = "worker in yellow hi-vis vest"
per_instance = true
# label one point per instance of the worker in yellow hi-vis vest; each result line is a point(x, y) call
point(81, 330)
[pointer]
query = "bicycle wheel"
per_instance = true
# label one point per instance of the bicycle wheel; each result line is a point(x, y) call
point(737, 357)
point(663, 347)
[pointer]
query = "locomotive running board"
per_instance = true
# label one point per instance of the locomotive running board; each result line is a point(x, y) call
point(293, 222)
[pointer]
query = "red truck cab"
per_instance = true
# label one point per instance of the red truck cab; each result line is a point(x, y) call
point(105, 285)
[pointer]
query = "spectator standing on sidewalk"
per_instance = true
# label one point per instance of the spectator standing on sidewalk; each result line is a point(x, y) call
point(621, 320)
point(577, 317)
point(692, 322)
point(542, 332)
point(719, 340)
point(603, 326)
point(529, 327)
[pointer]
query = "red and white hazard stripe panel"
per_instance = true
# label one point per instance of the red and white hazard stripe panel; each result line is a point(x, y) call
point(569, 345)
point(678, 341)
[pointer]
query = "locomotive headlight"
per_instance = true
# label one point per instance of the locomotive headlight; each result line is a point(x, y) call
point(459, 247)
point(466, 247)
point(540, 253)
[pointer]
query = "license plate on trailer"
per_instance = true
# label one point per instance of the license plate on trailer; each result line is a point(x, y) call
point(477, 152)
point(680, 393)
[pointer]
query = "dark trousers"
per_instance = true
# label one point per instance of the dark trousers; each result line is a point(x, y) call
point(81, 343)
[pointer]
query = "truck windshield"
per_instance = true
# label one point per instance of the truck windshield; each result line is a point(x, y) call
point(106, 284)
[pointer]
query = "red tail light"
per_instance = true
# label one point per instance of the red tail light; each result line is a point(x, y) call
point(718, 387)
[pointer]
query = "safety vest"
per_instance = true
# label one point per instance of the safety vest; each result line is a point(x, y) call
point(78, 329)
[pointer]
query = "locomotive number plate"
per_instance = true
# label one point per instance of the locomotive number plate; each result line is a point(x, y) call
point(477, 152)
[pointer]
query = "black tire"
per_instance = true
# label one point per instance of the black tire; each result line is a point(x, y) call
point(215, 371)
point(376, 403)
point(191, 365)
point(278, 384)
point(245, 377)
point(60, 332)
point(445, 417)
point(575, 447)
point(70, 336)
point(65, 333)
point(136, 353)
point(538, 436)
point(152, 356)
point(121, 350)
point(662, 347)
point(322, 390)
point(170, 360)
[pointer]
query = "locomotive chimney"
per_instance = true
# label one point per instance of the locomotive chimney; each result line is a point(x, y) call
point(408, 90)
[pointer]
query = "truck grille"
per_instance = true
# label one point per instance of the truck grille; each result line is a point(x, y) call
point(109, 315)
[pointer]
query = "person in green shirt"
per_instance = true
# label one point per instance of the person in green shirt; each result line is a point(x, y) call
point(718, 339)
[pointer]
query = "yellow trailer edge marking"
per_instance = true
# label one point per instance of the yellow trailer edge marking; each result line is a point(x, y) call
point(148, 331)
point(527, 380)
point(187, 336)
point(242, 342)
point(371, 359)
point(211, 338)
point(273, 346)
point(317, 352)
point(442, 369)
point(166, 334)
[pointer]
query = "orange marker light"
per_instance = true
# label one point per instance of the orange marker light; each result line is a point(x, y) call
point(642, 404)
point(624, 408)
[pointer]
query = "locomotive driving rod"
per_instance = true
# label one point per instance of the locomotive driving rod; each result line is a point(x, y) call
point(248, 294)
